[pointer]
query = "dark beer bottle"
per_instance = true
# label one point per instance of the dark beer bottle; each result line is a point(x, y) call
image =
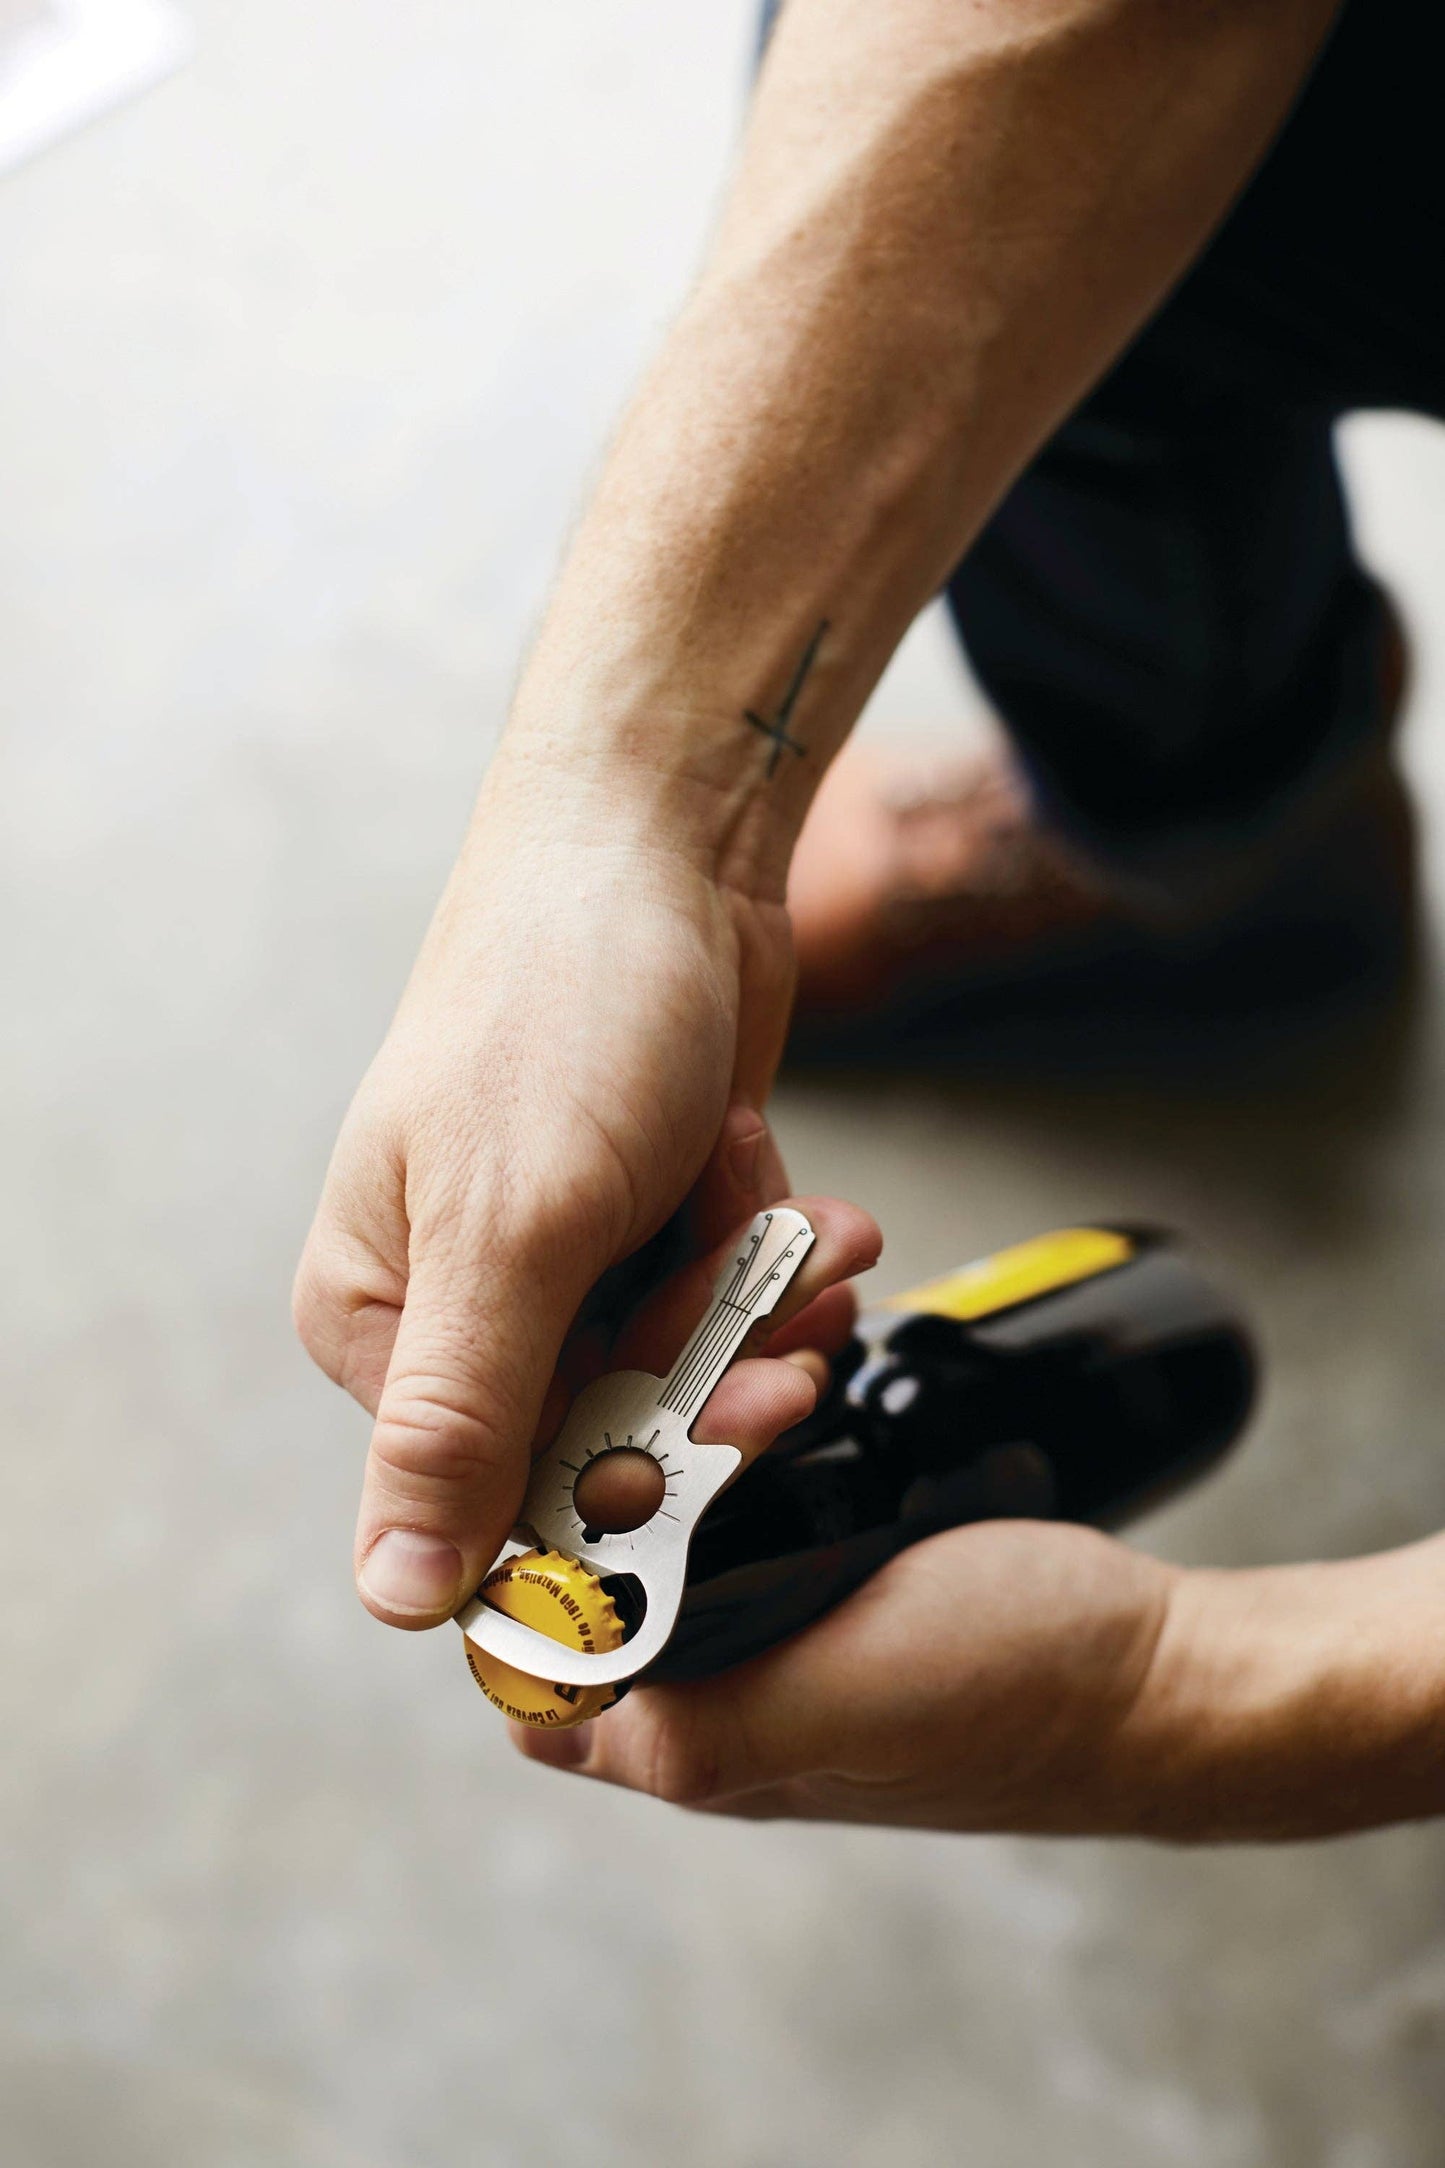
point(1081, 1376)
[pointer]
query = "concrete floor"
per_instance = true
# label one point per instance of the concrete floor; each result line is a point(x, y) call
point(308, 354)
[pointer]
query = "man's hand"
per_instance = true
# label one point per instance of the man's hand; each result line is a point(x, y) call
point(558, 1074)
point(1030, 1677)
point(984, 1679)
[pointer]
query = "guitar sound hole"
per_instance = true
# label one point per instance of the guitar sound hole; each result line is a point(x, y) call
point(618, 1491)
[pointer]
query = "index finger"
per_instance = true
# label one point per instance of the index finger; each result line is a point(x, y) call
point(846, 1242)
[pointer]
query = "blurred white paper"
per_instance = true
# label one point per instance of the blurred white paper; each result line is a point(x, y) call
point(62, 62)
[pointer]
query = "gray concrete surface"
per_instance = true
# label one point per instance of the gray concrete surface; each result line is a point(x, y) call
point(307, 357)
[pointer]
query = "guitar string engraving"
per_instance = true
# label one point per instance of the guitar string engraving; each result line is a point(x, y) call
point(706, 1354)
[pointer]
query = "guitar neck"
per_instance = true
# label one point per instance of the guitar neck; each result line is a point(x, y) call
point(747, 1290)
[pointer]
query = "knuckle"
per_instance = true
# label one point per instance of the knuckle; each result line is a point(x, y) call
point(342, 1285)
point(428, 1435)
point(317, 1313)
point(341, 1328)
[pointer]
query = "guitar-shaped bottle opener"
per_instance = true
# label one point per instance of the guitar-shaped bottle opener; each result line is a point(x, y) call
point(633, 1410)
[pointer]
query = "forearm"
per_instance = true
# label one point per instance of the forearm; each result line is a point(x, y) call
point(1301, 1701)
point(945, 223)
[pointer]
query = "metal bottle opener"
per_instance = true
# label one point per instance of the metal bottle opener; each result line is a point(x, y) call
point(631, 1408)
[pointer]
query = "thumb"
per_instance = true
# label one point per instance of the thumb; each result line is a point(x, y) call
point(449, 1455)
point(696, 1745)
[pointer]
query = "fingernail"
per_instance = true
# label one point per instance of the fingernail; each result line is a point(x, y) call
point(745, 1160)
point(813, 1364)
point(407, 1571)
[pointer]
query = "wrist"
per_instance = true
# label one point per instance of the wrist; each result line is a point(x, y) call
point(1293, 1702)
point(1218, 1704)
point(649, 769)
point(659, 768)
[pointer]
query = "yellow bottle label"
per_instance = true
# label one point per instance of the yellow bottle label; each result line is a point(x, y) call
point(561, 1599)
point(1020, 1274)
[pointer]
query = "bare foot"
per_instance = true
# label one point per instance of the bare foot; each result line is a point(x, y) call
point(915, 866)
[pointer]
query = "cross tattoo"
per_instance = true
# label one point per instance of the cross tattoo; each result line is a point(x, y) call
point(777, 729)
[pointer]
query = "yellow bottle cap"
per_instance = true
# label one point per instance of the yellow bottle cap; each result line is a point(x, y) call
point(561, 1599)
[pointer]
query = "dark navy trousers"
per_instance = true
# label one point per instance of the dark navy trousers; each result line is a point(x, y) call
point(1166, 611)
